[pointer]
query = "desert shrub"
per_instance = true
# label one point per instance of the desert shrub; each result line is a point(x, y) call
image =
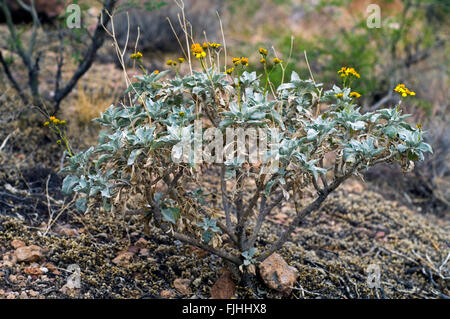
point(150, 157)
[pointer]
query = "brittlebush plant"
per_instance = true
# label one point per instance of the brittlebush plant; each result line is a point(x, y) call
point(322, 140)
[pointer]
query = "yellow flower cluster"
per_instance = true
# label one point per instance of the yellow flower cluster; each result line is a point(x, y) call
point(181, 60)
point(136, 56)
point(263, 52)
point(53, 120)
point(355, 94)
point(262, 61)
point(214, 45)
point(344, 72)
point(241, 60)
point(403, 90)
point(198, 51)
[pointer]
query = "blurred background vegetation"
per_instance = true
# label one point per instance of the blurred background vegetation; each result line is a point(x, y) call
point(410, 47)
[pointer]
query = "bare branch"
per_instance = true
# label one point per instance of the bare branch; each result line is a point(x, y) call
point(88, 59)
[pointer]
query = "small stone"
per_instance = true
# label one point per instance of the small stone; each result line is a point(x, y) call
point(380, 234)
point(224, 287)
point(28, 253)
point(9, 260)
point(133, 249)
point(17, 243)
point(23, 295)
point(144, 252)
point(123, 258)
point(33, 293)
point(167, 294)
point(277, 274)
point(197, 282)
point(182, 286)
point(69, 291)
point(33, 271)
point(67, 231)
point(12, 278)
point(141, 243)
point(50, 267)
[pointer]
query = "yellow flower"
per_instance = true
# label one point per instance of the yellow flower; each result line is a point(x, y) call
point(263, 51)
point(58, 142)
point(229, 71)
point(277, 61)
point(244, 61)
point(262, 61)
point(339, 95)
point(403, 90)
point(156, 71)
point(181, 60)
point(52, 118)
point(46, 123)
point(63, 122)
point(355, 94)
point(205, 45)
point(181, 114)
point(419, 126)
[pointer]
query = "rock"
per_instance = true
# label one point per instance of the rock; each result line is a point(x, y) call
point(9, 260)
point(23, 295)
point(224, 287)
point(141, 243)
point(69, 291)
point(17, 243)
point(182, 286)
point(28, 253)
point(144, 252)
point(277, 274)
point(123, 258)
point(33, 271)
point(33, 293)
point(167, 294)
point(50, 267)
point(198, 251)
point(133, 249)
point(197, 282)
point(67, 231)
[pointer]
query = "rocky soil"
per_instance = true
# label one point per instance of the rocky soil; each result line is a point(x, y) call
point(332, 252)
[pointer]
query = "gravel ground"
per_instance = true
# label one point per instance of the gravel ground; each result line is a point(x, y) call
point(332, 251)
